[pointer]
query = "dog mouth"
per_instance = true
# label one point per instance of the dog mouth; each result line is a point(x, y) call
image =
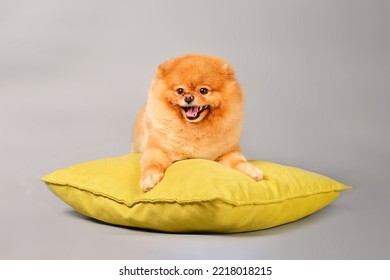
point(193, 112)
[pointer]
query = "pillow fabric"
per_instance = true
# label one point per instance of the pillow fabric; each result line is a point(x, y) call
point(195, 195)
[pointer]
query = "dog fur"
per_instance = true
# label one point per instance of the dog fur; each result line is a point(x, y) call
point(194, 110)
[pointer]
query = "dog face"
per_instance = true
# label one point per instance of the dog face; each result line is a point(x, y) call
point(197, 86)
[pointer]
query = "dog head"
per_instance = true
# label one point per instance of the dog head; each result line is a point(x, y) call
point(197, 86)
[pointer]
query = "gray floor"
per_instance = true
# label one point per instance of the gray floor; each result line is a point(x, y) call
point(74, 75)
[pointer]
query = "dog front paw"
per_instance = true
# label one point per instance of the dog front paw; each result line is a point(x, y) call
point(251, 171)
point(150, 180)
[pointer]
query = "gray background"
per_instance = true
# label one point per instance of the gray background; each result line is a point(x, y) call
point(73, 75)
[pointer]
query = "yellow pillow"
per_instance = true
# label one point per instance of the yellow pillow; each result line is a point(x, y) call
point(195, 195)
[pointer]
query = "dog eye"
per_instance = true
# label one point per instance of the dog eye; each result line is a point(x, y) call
point(203, 90)
point(180, 90)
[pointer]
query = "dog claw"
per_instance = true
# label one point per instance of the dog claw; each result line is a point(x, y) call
point(149, 181)
point(251, 171)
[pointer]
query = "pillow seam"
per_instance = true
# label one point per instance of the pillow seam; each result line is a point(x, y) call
point(227, 201)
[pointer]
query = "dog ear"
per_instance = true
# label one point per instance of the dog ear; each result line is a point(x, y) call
point(161, 70)
point(228, 69)
point(164, 69)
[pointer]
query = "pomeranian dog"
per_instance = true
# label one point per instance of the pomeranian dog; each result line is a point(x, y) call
point(194, 110)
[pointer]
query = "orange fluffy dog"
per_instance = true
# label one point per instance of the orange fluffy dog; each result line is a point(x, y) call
point(194, 110)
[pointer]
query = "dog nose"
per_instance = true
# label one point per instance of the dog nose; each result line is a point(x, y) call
point(188, 98)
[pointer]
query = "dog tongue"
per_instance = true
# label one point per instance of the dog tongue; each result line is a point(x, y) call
point(192, 112)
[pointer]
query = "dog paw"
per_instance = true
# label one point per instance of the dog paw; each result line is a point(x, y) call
point(150, 180)
point(251, 171)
